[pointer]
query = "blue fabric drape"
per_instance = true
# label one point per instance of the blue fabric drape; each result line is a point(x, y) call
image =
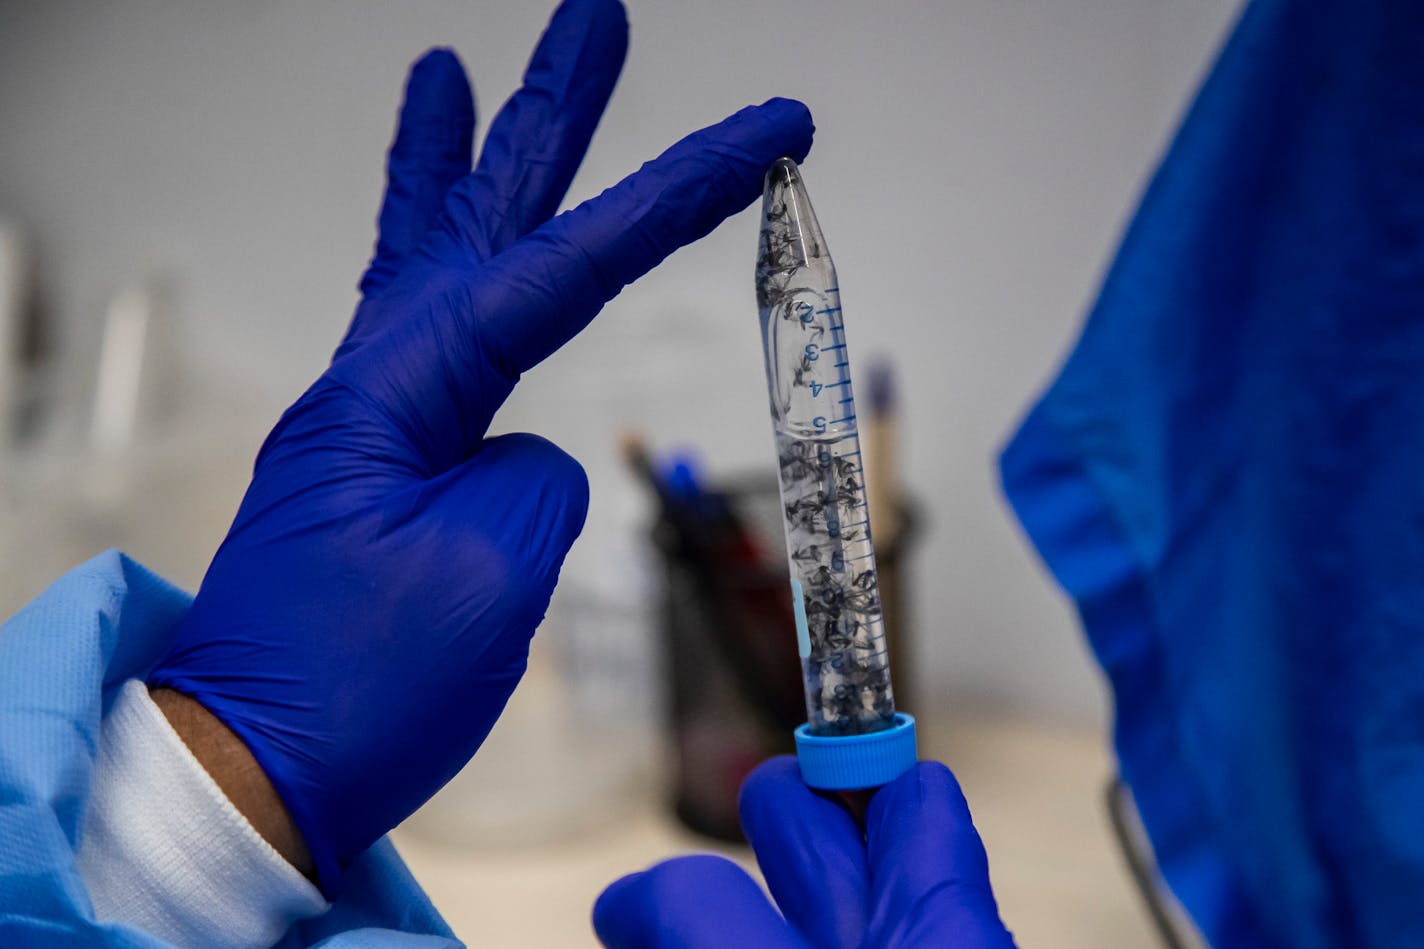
point(62, 661)
point(1228, 478)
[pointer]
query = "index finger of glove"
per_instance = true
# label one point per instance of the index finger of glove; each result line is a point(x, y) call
point(441, 373)
point(810, 851)
point(700, 902)
point(538, 294)
point(928, 867)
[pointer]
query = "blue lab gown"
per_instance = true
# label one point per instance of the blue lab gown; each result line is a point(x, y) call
point(1228, 478)
point(62, 660)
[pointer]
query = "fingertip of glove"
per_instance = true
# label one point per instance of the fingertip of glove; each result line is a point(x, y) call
point(596, 27)
point(936, 774)
point(790, 110)
point(938, 785)
point(693, 874)
point(437, 64)
point(438, 85)
point(791, 118)
point(748, 141)
point(633, 905)
point(928, 783)
point(927, 796)
point(610, 907)
point(607, 13)
point(549, 475)
point(779, 810)
point(437, 57)
point(769, 779)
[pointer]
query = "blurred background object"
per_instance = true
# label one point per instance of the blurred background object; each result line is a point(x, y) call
point(17, 354)
point(731, 670)
point(975, 162)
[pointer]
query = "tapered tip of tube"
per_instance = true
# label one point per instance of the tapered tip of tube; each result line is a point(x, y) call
point(790, 234)
point(782, 172)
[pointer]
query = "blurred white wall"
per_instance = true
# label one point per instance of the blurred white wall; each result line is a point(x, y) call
point(974, 164)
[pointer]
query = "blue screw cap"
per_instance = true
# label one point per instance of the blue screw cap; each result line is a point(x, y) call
point(850, 762)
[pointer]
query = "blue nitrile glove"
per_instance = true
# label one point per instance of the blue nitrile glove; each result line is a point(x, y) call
point(917, 875)
point(370, 611)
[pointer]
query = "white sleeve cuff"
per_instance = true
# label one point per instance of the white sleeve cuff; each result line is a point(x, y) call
point(164, 851)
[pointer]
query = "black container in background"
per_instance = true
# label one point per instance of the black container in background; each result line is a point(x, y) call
point(729, 641)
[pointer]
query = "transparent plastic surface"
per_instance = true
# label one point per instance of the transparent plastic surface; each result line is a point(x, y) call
point(833, 579)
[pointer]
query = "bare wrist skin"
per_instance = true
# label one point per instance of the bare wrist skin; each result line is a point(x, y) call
point(238, 775)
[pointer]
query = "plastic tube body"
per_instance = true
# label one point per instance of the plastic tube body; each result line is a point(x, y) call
point(833, 580)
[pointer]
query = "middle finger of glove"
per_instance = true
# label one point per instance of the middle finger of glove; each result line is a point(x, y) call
point(538, 140)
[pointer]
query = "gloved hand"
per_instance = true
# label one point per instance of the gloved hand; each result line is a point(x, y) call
point(370, 611)
point(917, 875)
